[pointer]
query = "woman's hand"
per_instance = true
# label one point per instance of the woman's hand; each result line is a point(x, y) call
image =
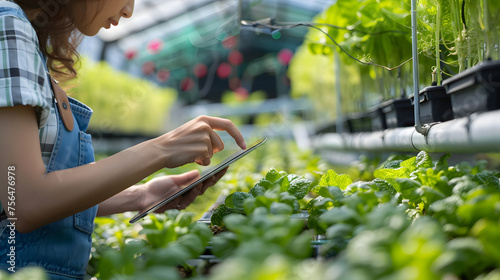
point(166, 186)
point(196, 141)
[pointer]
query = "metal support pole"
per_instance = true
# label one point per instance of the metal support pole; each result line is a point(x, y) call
point(422, 129)
point(338, 92)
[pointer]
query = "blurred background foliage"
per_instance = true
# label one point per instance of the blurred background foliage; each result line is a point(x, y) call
point(121, 103)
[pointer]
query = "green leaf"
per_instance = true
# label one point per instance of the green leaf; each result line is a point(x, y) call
point(424, 160)
point(339, 230)
point(299, 187)
point(184, 219)
point(281, 208)
point(219, 214)
point(408, 188)
point(429, 195)
point(395, 164)
point(340, 215)
point(257, 190)
point(201, 230)
point(300, 246)
point(487, 231)
point(193, 244)
point(111, 262)
point(409, 165)
point(446, 208)
point(284, 184)
point(158, 272)
point(32, 273)
point(264, 184)
point(384, 186)
point(289, 199)
point(273, 175)
point(462, 185)
point(235, 201)
point(264, 201)
point(332, 179)
point(250, 204)
point(159, 237)
point(442, 164)
point(482, 205)
point(462, 256)
point(224, 244)
point(234, 221)
point(485, 178)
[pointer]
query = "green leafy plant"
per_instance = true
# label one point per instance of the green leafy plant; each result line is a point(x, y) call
point(278, 192)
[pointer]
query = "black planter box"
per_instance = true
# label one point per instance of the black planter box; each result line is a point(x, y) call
point(359, 122)
point(377, 117)
point(398, 112)
point(435, 105)
point(332, 127)
point(477, 89)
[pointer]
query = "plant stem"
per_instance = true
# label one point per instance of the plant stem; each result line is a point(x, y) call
point(438, 56)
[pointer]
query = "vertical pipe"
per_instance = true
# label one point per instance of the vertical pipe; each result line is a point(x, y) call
point(418, 125)
point(438, 42)
point(338, 93)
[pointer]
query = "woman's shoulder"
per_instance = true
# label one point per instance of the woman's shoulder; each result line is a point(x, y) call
point(15, 24)
point(23, 73)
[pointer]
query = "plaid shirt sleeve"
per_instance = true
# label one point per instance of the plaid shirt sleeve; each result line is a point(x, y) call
point(23, 78)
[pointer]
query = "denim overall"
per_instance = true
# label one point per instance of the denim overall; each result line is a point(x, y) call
point(61, 248)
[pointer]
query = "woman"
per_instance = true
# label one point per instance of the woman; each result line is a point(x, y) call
point(51, 185)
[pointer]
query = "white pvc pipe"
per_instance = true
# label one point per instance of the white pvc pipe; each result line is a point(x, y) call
point(477, 134)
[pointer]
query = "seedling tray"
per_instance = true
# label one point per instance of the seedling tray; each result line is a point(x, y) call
point(435, 104)
point(477, 89)
point(398, 113)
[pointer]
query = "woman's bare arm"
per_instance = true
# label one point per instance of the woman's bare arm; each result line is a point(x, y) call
point(44, 198)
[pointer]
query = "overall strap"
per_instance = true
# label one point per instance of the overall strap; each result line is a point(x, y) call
point(62, 104)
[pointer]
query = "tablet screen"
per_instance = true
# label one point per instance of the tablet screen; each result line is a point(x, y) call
point(205, 175)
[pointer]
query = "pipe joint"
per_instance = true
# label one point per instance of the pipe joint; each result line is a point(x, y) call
point(422, 129)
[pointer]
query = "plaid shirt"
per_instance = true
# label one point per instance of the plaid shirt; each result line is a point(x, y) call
point(23, 75)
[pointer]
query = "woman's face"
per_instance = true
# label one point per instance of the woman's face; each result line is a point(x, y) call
point(92, 15)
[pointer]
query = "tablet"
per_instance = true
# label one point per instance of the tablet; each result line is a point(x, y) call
point(205, 175)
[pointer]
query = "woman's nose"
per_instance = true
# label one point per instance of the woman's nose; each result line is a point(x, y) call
point(128, 10)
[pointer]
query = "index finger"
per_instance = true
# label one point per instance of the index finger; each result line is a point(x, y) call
point(229, 127)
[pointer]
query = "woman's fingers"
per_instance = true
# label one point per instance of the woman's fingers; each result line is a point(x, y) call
point(185, 178)
point(159, 186)
point(228, 126)
point(217, 143)
point(197, 141)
